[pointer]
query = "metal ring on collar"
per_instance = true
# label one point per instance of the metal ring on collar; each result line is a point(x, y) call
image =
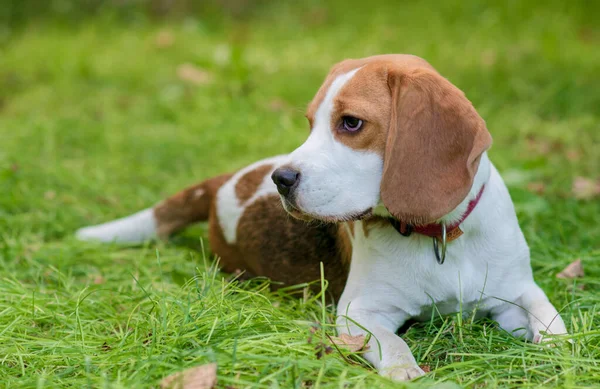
point(440, 257)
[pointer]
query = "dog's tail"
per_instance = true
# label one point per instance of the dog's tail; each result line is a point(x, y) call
point(189, 206)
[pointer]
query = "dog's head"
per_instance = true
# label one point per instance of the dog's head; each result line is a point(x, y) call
point(386, 129)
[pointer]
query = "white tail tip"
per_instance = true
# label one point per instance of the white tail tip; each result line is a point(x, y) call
point(135, 228)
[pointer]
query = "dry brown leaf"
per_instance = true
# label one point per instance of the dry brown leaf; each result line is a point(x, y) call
point(199, 377)
point(50, 195)
point(573, 270)
point(426, 368)
point(164, 39)
point(536, 187)
point(316, 16)
point(278, 105)
point(543, 146)
point(586, 35)
point(99, 280)
point(352, 343)
point(193, 74)
point(538, 146)
point(585, 188)
point(489, 57)
point(573, 155)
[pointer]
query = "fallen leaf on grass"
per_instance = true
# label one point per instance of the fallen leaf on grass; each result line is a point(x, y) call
point(352, 343)
point(543, 146)
point(586, 35)
point(573, 270)
point(425, 368)
point(99, 280)
point(164, 39)
point(278, 105)
point(536, 187)
point(316, 16)
point(585, 188)
point(573, 155)
point(193, 74)
point(199, 377)
point(489, 57)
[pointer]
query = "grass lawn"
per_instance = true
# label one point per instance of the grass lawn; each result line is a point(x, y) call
point(98, 119)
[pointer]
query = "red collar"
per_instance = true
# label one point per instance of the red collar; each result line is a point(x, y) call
point(434, 230)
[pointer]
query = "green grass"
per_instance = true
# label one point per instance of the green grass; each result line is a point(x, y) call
point(95, 124)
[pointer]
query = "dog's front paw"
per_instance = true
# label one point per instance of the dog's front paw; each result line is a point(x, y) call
point(548, 340)
point(402, 373)
point(544, 334)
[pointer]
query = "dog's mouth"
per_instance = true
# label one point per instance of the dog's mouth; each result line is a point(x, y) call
point(297, 213)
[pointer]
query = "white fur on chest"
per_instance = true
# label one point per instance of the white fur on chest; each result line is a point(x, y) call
point(403, 272)
point(483, 267)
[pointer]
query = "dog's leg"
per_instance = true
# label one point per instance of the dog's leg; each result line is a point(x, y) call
point(388, 353)
point(189, 206)
point(542, 315)
point(530, 315)
point(513, 319)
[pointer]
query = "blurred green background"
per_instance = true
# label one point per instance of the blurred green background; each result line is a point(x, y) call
point(97, 91)
point(106, 107)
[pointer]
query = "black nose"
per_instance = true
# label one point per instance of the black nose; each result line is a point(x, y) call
point(286, 179)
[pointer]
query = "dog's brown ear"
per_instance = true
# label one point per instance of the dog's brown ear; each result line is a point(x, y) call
point(434, 145)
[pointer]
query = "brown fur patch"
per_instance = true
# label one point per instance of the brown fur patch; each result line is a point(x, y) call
point(345, 238)
point(287, 250)
point(189, 206)
point(248, 184)
point(366, 97)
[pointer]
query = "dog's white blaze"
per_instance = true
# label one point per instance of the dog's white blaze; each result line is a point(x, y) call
point(138, 227)
point(336, 180)
point(229, 207)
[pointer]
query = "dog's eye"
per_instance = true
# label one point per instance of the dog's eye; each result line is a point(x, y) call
point(351, 123)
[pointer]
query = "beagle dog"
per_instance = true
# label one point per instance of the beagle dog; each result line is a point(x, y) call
point(410, 213)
